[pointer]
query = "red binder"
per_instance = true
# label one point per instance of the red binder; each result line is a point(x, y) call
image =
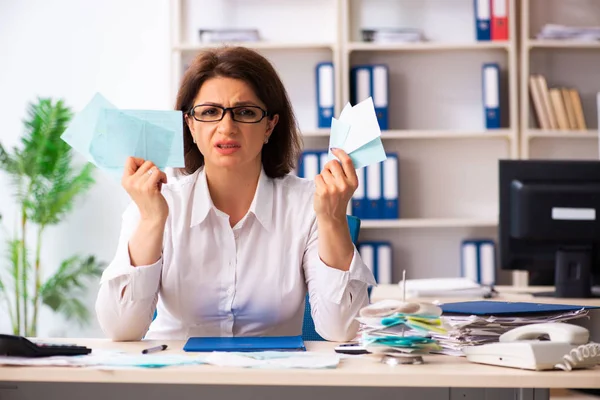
point(499, 19)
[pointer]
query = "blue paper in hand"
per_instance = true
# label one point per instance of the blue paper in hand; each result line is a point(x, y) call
point(106, 136)
point(357, 133)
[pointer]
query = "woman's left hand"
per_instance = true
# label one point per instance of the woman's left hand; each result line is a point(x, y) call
point(335, 186)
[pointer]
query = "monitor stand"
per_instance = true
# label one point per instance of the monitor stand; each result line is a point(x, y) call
point(573, 273)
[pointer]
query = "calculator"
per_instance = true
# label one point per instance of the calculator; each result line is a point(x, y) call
point(18, 346)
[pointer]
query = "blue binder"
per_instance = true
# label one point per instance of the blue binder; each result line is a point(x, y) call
point(491, 95)
point(325, 93)
point(478, 260)
point(374, 191)
point(245, 344)
point(372, 81)
point(359, 197)
point(378, 256)
point(483, 13)
point(390, 196)
point(505, 308)
point(308, 167)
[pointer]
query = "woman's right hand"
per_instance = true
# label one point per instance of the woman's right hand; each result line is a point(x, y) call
point(143, 182)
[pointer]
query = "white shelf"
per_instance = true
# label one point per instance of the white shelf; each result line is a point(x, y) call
point(538, 133)
point(562, 44)
point(428, 223)
point(257, 46)
point(427, 46)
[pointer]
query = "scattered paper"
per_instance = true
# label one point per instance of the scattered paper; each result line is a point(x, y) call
point(106, 136)
point(274, 359)
point(357, 132)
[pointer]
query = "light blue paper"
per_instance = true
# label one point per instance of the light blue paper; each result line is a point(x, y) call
point(337, 138)
point(357, 133)
point(106, 136)
point(371, 153)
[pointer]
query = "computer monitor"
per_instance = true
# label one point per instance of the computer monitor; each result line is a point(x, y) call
point(550, 222)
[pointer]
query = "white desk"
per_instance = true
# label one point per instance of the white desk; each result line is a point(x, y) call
point(441, 377)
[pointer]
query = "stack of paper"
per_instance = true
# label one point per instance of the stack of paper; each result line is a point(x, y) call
point(385, 329)
point(561, 32)
point(464, 330)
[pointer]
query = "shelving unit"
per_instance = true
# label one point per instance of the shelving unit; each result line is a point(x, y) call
point(567, 63)
point(447, 159)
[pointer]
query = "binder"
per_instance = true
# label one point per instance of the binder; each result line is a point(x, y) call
point(377, 255)
point(367, 253)
point(245, 344)
point(491, 95)
point(478, 261)
point(322, 160)
point(372, 81)
point(380, 92)
point(384, 263)
point(359, 197)
point(482, 20)
point(325, 94)
point(309, 165)
point(374, 191)
point(499, 20)
point(390, 187)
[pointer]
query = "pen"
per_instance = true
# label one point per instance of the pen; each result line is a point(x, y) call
point(154, 349)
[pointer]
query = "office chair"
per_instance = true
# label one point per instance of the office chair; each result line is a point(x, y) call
point(308, 326)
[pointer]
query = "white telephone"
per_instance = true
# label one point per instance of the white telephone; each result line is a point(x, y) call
point(567, 349)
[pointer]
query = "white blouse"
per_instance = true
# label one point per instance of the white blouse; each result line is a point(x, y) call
point(249, 280)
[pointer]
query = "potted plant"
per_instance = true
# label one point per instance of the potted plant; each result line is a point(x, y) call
point(46, 186)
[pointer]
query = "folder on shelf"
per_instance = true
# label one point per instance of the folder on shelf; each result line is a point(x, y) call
point(245, 344)
point(309, 164)
point(478, 260)
point(359, 196)
point(372, 81)
point(380, 76)
point(377, 255)
point(569, 109)
point(576, 100)
point(543, 87)
point(374, 191)
point(499, 20)
point(491, 95)
point(325, 94)
point(390, 187)
point(482, 20)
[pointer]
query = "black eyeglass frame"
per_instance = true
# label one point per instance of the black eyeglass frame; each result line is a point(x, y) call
point(265, 113)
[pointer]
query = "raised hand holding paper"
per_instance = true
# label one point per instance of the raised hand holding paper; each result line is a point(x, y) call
point(357, 133)
point(106, 136)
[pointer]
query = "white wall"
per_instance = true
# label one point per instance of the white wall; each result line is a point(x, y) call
point(71, 49)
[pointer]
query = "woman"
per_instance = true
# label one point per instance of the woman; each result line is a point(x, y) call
point(231, 248)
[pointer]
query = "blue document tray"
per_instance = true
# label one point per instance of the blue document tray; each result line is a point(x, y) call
point(246, 344)
point(506, 308)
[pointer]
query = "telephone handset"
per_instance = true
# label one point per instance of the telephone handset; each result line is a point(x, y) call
point(567, 348)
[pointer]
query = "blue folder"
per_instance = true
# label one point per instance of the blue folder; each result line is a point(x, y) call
point(506, 308)
point(245, 344)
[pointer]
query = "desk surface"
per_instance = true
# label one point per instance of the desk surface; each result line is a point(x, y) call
point(505, 293)
point(367, 370)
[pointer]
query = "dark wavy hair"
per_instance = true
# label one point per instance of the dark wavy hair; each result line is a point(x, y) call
point(280, 154)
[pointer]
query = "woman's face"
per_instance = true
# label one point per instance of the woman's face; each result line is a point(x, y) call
point(227, 143)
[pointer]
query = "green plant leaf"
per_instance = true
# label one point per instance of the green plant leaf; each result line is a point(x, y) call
point(62, 291)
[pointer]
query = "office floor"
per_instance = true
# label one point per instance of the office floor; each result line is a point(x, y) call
point(563, 394)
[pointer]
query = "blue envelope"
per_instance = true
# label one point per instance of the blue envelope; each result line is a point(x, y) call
point(245, 344)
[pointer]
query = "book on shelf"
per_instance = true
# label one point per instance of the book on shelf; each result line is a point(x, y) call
point(228, 35)
point(556, 108)
point(392, 35)
point(563, 32)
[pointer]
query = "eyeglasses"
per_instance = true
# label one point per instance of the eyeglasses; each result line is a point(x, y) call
point(214, 113)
